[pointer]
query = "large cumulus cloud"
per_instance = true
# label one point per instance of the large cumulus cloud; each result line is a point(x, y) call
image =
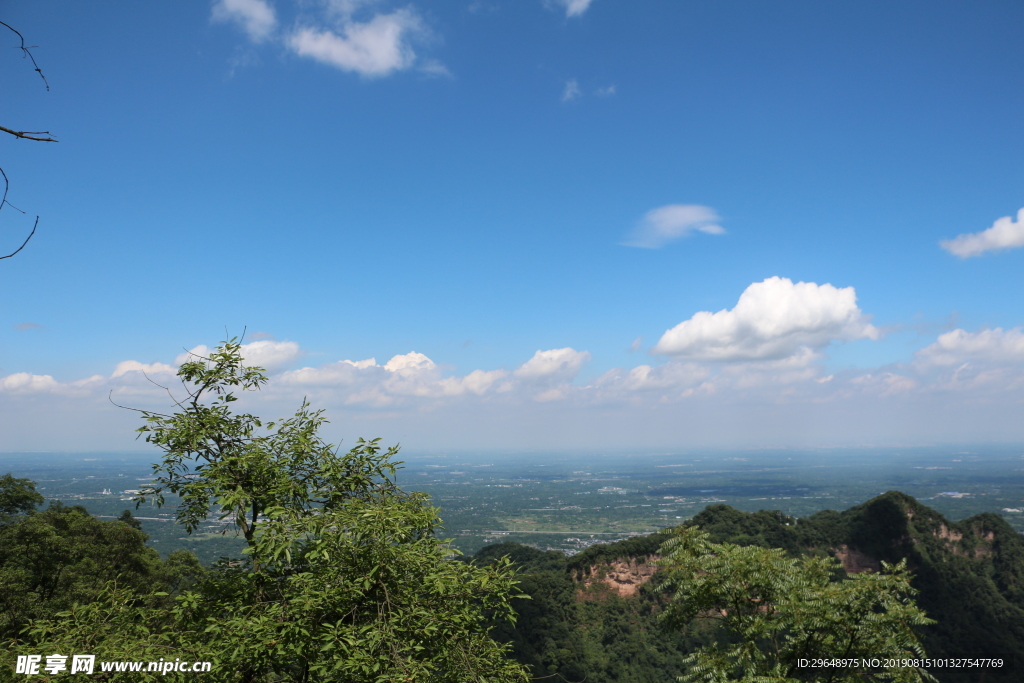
point(773, 319)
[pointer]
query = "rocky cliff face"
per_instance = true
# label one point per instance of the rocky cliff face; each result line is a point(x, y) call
point(854, 561)
point(623, 576)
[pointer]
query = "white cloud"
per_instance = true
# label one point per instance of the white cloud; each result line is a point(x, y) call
point(1004, 234)
point(407, 375)
point(571, 90)
point(266, 354)
point(561, 364)
point(800, 367)
point(668, 223)
point(772, 319)
point(255, 17)
point(270, 354)
point(27, 383)
point(671, 376)
point(372, 49)
point(990, 346)
point(574, 8)
point(195, 353)
point(606, 91)
point(409, 364)
point(342, 373)
point(479, 381)
point(150, 369)
point(415, 375)
point(775, 387)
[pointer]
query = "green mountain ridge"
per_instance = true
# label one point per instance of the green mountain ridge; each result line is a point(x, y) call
point(578, 624)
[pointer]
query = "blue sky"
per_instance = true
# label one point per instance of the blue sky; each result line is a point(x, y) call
point(510, 205)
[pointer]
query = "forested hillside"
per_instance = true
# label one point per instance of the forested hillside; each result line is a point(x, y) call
point(594, 616)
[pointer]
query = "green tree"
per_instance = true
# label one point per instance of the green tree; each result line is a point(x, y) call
point(776, 613)
point(344, 579)
point(52, 559)
point(17, 497)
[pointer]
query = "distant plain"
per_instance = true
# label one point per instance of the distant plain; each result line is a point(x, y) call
point(568, 501)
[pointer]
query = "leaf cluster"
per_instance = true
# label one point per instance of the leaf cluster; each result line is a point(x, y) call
point(778, 611)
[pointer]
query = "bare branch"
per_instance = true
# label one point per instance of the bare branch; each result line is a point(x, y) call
point(167, 389)
point(38, 136)
point(34, 225)
point(4, 202)
point(30, 134)
point(27, 52)
point(110, 397)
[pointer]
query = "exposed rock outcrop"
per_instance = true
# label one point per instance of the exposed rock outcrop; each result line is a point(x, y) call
point(624, 576)
point(855, 562)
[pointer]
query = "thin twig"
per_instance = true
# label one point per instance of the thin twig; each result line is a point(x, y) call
point(23, 134)
point(34, 225)
point(27, 52)
point(167, 389)
point(137, 410)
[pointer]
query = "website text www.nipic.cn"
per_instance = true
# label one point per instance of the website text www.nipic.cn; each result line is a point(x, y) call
point(33, 665)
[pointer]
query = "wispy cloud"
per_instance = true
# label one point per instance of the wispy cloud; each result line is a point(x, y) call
point(573, 8)
point(255, 17)
point(606, 91)
point(25, 327)
point(571, 91)
point(432, 67)
point(1004, 234)
point(666, 224)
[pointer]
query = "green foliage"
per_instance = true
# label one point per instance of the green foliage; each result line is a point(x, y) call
point(766, 528)
point(969, 574)
point(343, 578)
point(17, 497)
point(778, 611)
point(569, 632)
point(128, 518)
point(215, 457)
point(53, 559)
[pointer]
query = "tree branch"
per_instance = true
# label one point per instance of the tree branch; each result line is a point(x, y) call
point(27, 52)
point(24, 134)
point(3, 202)
point(34, 225)
point(29, 134)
